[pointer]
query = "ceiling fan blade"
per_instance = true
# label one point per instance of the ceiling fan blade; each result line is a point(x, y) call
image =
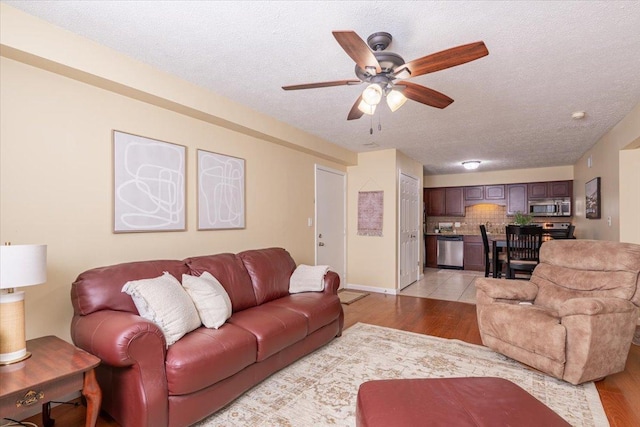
point(357, 49)
point(445, 59)
point(322, 84)
point(355, 113)
point(425, 95)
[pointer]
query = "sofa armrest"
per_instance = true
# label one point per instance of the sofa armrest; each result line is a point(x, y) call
point(110, 335)
point(331, 283)
point(499, 289)
point(132, 376)
point(593, 306)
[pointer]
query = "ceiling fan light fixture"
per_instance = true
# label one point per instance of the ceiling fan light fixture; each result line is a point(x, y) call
point(395, 99)
point(372, 94)
point(403, 74)
point(366, 108)
point(471, 164)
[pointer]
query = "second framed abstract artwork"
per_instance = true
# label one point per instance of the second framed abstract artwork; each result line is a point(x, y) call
point(221, 191)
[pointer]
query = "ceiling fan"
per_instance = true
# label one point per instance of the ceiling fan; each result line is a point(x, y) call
point(386, 72)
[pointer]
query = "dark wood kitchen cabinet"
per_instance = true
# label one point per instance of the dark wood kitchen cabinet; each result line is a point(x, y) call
point(549, 190)
point(494, 192)
point(474, 193)
point(447, 201)
point(431, 251)
point(516, 198)
point(473, 253)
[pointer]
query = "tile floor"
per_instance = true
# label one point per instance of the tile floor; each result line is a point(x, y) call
point(444, 284)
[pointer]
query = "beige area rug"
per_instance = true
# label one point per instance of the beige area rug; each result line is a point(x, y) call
point(348, 297)
point(321, 389)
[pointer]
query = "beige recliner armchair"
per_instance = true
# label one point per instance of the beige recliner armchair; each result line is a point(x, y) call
point(575, 318)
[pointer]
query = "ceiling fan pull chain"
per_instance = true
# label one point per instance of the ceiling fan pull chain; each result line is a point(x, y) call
point(379, 124)
point(371, 127)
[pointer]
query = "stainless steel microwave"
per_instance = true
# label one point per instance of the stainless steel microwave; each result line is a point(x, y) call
point(556, 207)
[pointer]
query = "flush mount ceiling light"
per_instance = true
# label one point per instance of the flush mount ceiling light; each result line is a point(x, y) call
point(578, 115)
point(472, 164)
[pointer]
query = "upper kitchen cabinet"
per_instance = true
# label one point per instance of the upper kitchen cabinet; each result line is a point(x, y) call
point(444, 201)
point(472, 194)
point(494, 192)
point(549, 190)
point(516, 198)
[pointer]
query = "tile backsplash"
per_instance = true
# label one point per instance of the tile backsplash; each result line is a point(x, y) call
point(494, 217)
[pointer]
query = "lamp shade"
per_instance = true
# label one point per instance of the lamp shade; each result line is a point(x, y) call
point(22, 265)
point(372, 94)
point(366, 108)
point(395, 99)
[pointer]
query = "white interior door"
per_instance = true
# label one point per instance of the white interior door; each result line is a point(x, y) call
point(409, 262)
point(331, 190)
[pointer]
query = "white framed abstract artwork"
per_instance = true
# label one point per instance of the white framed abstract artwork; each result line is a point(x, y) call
point(149, 184)
point(221, 191)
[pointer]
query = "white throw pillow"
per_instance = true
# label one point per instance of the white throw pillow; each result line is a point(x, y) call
point(210, 298)
point(308, 278)
point(163, 301)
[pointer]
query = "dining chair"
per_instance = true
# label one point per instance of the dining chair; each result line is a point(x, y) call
point(523, 249)
point(488, 255)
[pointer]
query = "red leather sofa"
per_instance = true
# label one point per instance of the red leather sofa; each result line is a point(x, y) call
point(145, 384)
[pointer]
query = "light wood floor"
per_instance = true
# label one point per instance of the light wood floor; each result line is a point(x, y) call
point(620, 393)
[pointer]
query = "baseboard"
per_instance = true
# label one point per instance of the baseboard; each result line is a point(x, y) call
point(356, 287)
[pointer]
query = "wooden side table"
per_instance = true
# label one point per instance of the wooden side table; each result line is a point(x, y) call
point(55, 369)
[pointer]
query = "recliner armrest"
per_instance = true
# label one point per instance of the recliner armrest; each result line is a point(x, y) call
point(517, 290)
point(593, 306)
point(110, 335)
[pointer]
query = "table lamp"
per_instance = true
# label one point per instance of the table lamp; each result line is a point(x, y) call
point(20, 265)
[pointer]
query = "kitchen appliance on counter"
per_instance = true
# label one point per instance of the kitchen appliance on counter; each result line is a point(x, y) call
point(450, 251)
point(550, 207)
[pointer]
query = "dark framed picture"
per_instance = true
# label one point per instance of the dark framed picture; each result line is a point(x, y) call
point(592, 194)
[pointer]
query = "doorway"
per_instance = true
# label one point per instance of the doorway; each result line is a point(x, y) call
point(409, 230)
point(331, 224)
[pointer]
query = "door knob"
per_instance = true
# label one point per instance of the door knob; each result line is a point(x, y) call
point(320, 244)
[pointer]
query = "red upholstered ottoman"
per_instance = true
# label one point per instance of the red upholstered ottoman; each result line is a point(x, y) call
point(450, 402)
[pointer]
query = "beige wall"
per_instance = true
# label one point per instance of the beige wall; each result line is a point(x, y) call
point(372, 261)
point(56, 181)
point(558, 173)
point(606, 163)
point(630, 195)
point(56, 161)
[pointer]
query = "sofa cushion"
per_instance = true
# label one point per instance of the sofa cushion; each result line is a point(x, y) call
point(164, 301)
point(231, 274)
point(209, 297)
point(270, 270)
point(274, 327)
point(101, 288)
point(320, 309)
point(206, 356)
point(528, 327)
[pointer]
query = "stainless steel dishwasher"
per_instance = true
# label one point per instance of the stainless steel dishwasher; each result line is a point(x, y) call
point(450, 252)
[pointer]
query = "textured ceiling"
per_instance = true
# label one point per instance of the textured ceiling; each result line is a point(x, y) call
point(512, 108)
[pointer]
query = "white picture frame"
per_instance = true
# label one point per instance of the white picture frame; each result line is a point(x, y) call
point(149, 185)
point(221, 191)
